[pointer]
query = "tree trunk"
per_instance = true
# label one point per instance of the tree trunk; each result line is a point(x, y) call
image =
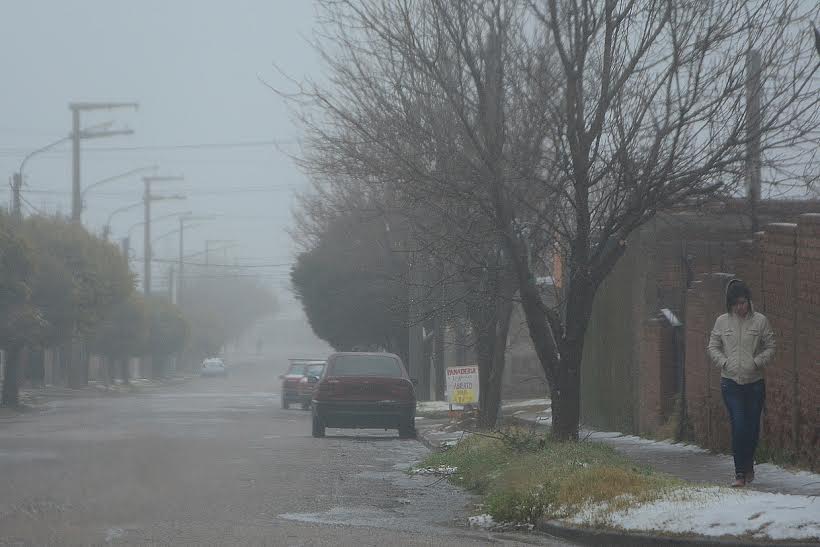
point(105, 370)
point(77, 364)
point(438, 360)
point(124, 371)
point(488, 402)
point(460, 342)
point(425, 373)
point(566, 395)
point(11, 388)
point(492, 351)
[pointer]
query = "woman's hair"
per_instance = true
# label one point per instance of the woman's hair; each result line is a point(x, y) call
point(735, 290)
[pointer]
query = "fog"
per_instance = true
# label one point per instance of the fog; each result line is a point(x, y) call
point(194, 67)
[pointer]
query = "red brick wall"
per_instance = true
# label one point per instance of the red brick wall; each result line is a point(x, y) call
point(808, 349)
point(657, 374)
point(782, 267)
point(649, 393)
point(704, 404)
point(780, 297)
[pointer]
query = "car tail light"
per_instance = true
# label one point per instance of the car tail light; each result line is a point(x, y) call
point(400, 390)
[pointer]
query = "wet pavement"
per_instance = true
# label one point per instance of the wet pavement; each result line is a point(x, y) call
point(217, 462)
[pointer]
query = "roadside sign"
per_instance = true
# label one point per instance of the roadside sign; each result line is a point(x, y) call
point(462, 385)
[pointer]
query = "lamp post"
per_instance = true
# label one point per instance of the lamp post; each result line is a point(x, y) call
point(112, 179)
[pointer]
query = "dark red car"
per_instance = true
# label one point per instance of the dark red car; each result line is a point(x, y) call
point(291, 379)
point(311, 376)
point(365, 390)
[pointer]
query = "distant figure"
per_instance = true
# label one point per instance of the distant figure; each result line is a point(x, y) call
point(741, 345)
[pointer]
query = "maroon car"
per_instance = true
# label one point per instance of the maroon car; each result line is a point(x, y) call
point(291, 379)
point(308, 383)
point(365, 390)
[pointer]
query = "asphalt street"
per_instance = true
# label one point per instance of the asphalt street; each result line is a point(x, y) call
point(217, 462)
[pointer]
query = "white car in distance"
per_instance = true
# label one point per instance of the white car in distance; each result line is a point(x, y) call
point(213, 366)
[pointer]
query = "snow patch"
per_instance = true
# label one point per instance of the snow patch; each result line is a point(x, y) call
point(440, 470)
point(481, 521)
point(714, 512)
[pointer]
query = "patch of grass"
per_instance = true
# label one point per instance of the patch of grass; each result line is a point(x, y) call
point(525, 476)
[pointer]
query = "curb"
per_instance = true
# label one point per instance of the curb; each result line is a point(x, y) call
point(603, 536)
point(423, 439)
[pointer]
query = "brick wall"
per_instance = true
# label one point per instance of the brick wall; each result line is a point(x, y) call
point(808, 337)
point(782, 267)
point(779, 305)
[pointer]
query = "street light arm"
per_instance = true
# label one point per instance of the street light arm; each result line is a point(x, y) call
point(172, 232)
point(122, 210)
point(86, 134)
point(102, 106)
point(163, 217)
point(117, 177)
point(39, 150)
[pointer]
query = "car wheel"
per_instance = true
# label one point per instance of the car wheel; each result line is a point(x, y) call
point(318, 429)
point(284, 402)
point(407, 430)
point(305, 405)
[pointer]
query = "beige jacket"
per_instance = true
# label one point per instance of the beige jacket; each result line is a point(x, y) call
point(741, 347)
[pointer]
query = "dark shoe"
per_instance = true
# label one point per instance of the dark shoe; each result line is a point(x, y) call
point(740, 481)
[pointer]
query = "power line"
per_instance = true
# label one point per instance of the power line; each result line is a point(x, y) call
point(193, 191)
point(161, 147)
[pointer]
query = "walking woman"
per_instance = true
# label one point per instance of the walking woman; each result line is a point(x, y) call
point(741, 345)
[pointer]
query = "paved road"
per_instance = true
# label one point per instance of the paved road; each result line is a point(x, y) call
point(216, 462)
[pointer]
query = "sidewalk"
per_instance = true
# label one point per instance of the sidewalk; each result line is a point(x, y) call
point(780, 505)
point(689, 462)
point(34, 399)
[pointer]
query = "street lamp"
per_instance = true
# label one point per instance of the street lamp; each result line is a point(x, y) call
point(107, 226)
point(112, 179)
point(17, 178)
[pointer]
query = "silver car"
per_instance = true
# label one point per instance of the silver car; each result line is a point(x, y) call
point(213, 366)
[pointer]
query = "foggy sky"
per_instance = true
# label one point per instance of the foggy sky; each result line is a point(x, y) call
point(193, 66)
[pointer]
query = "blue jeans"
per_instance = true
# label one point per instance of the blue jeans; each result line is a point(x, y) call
point(745, 404)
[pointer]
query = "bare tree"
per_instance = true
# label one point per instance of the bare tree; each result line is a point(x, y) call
point(652, 114)
point(555, 127)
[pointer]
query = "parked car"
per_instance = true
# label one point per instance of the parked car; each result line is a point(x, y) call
point(291, 379)
point(307, 384)
point(364, 390)
point(213, 366)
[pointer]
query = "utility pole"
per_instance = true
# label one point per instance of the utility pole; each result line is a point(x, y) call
point(16, 184)
point(126, 249)
point(147, 199)
point(753, 160)
point(181, 265)
point(76, 135)
point(171, 284)
point(224, 249)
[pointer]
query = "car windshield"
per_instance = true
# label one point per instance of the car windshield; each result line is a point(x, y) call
point(314, 370)
point(297, 369)
point(367, 365)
